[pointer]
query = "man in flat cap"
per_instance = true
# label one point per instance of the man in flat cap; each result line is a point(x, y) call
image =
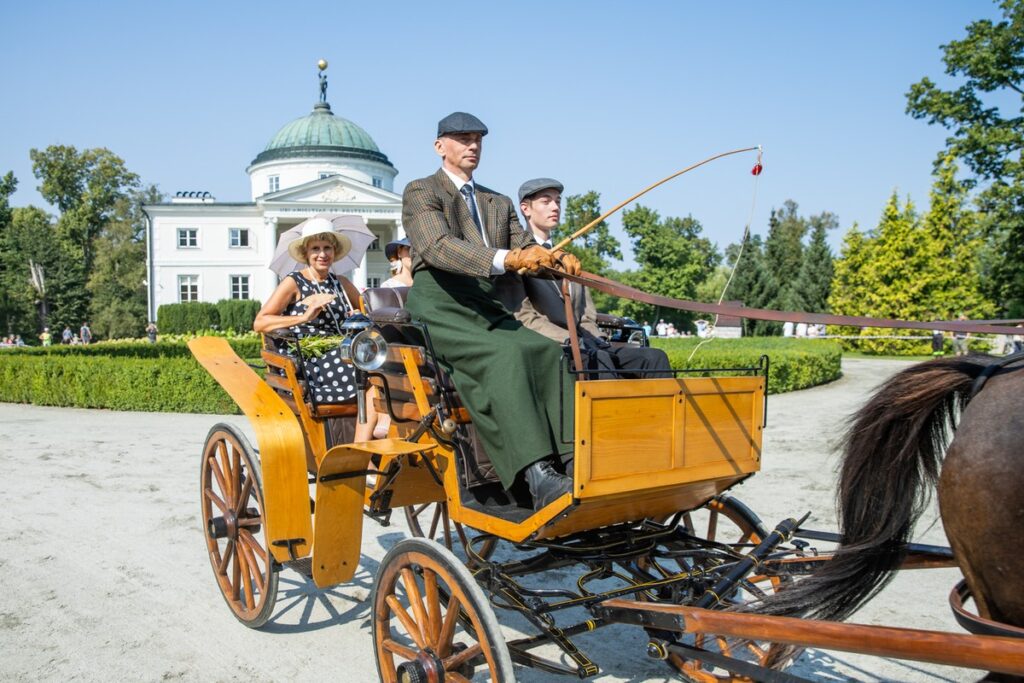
point(464, 236)
point(542, 308)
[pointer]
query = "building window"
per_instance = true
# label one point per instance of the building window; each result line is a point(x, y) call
point(239, 286)
point(274, 182)
point(188, 238)
point(372, 282)
point(239, 237)
point(378, 182)
point(375, 245)
point(188, 288)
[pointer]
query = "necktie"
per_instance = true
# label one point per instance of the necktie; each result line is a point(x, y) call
point(467, 193)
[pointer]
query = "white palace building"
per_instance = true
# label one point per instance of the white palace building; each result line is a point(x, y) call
point(199, 249)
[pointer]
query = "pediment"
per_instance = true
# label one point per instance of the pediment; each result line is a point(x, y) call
point(331, 190)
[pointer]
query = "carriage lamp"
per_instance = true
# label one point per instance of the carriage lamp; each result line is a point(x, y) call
point(366, 349)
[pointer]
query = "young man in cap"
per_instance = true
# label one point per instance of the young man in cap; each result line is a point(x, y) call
point(542, 308)
point(463, 235)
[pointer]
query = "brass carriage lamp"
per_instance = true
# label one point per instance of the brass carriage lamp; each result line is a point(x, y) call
point(365, 348)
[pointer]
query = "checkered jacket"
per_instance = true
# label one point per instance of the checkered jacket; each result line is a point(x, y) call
point(442, 232)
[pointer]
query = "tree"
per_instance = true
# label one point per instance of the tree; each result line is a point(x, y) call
point(593, 249)
point(672, 259)
point(117, 282)
point(86, 187)
point(8, 184)
point(27, 239)
point(784, 251)
point(753, 283)
point(813, 283)
point(989, 61)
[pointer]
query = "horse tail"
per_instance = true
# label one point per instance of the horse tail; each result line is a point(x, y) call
point(892, 451)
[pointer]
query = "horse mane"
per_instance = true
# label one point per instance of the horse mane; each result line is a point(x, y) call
point(892, 451)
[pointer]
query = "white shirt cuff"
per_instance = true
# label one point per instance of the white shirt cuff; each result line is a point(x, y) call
point(498, 263)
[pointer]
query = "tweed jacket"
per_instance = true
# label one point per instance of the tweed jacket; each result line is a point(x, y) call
point(442, 231)
point(539, 306)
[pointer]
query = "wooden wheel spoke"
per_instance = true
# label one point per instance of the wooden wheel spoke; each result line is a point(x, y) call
point(447, 526)
point(407, 622)
point(455, 677)
point(229, 551)
point(459, 658)
point(236, 470)
point(253, 566)
point(243, 497)
point(247, 595)
point(433, 600)
point(213, 498)
point(236, 575)
point(712, 525)
point(451, 620)
point(399, 649)
point(412, 590)
point(251, 541)
point(417, 510)
point(463, 538)
point(225, 467)
point(434, 521)
point(218, 475)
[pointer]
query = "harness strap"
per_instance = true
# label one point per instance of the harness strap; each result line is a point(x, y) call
point(992, 369)
point(974, 623)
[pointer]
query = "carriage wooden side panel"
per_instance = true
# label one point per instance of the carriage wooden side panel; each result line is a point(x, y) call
point(654, 433)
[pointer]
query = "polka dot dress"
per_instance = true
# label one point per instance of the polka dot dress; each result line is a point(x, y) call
point(330, 379)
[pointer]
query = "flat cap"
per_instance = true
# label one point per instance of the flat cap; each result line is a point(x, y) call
point(531, 187)
point(460, 122)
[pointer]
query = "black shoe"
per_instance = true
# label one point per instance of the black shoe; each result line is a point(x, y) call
point(546, 484)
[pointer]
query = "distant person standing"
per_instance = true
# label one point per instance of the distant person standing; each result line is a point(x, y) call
point(801, 329)
point(960, 339)
point(85, 334)
point(66, 336)
point(46, 337)
point(787, 328)
point(151, 332)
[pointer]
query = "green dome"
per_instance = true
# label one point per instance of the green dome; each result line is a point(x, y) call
point(321, 134)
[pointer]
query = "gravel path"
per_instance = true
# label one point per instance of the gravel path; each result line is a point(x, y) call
point(105, 575)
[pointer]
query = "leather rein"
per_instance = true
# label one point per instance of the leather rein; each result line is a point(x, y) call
point(614, 288)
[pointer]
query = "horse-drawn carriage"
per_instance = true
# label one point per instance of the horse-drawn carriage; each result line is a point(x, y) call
point(648, 527)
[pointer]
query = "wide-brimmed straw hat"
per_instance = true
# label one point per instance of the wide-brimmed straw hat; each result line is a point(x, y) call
point(312, 228)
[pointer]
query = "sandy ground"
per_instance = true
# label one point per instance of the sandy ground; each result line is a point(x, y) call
point(104, 574)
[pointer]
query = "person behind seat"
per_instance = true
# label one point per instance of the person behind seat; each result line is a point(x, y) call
point(399, 254)
point(314, 301)
point(463, 235)
point(541, 307)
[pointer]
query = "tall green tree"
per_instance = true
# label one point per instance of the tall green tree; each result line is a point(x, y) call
point(85, 187)
point(988, 64)
point(784, 250)
point(813, 283)
point(117, 282)
point(673, 259)
point(8, 184)
point(28, 241)
point(594, 249)
point(753, 283)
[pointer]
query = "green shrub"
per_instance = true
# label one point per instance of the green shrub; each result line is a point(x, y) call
point(794, 363)
point(237, 314)
point(246, 346)
point(191, 316)
point(168, 384)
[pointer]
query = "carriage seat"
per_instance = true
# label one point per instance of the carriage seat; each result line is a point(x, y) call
point(385, 306)
point(286, 377)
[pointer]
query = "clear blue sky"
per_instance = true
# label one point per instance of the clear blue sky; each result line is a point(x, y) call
point(608, 96)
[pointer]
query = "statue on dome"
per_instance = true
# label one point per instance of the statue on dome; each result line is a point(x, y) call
point(322, 65)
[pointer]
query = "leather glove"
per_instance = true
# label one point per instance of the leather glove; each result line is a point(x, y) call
point(530, 259)
point(566, 262)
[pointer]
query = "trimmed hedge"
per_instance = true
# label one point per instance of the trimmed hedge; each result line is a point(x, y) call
point(165, 377)
point(795, 363)
point(163, 384)
point(191, 316)
point(237, 315)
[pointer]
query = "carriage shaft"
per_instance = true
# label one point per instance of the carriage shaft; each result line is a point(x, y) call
point(991, 653)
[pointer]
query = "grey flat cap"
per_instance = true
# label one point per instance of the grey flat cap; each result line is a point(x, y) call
point(534, 186)
point(460, 122)
point(391, 248)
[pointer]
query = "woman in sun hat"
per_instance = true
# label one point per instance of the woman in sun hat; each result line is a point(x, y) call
point(399, 255)
point(314, 301)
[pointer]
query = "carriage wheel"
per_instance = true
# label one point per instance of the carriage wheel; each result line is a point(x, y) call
point(431, 620)
point(727, 520)
point(431, 520)
point(231, 493)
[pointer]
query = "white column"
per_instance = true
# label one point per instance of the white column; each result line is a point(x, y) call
point(267, 279)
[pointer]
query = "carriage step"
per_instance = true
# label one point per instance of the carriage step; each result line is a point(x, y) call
point(303, 566)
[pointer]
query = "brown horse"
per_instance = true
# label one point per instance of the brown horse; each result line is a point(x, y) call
point(893, 450)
